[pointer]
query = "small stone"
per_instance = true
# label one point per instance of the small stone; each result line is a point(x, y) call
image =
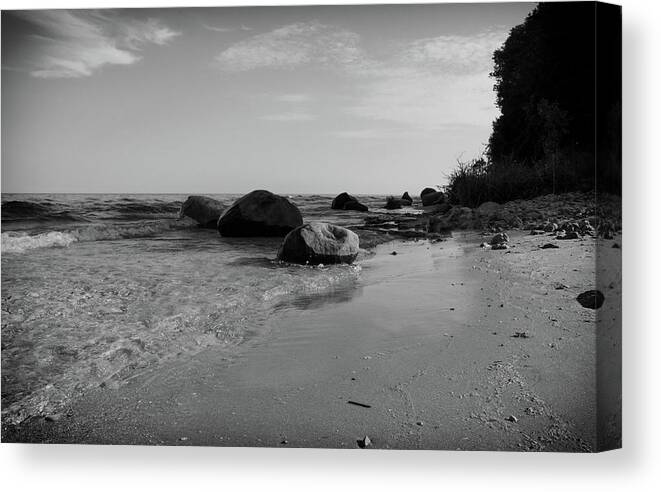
point(512, 418)
point(550, 246)
point(184, 438)
point(394, 253)
point(364, 442)
point(592, 299)
point(616, 246)
point(420, 423)
point(500, 238)
point(284, 442)
point(520, 334)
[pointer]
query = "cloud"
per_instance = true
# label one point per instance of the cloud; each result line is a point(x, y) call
point(456, 54)
point(431, 84)
point(75, 44)
point(289, 116)
point(293, 98)
point(226, 29)
point(218, 28)
point(374, 134)
point(291, 46)
point(427, 100)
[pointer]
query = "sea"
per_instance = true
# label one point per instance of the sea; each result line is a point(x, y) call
point(98, 288)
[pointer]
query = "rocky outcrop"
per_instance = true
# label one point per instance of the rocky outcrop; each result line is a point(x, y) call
point(204, 210)
point(407, 198)
point(260, 213)
point(433, 198)
point(319, 242)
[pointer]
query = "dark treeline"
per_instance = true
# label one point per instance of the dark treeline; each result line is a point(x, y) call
point(558, 87)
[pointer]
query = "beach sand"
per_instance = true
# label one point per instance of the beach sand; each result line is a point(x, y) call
point(426, 341)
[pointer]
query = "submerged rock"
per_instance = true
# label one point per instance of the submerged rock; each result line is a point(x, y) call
point(592, 299)
point(260, 213)
point(319, 242)
point(204, 210)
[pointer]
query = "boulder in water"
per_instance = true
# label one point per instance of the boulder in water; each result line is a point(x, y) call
point(204, 210)
point(260, 213)
point(319, 242)
point(355, 205)
point(340, 200)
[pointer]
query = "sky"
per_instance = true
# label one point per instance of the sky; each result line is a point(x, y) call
point(364, 99)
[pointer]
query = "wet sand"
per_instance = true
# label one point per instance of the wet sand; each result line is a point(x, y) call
point(426, 342)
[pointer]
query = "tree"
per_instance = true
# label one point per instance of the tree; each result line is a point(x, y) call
point(558, 86)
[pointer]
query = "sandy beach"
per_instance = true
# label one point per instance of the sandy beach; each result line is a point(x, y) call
point(445, 345)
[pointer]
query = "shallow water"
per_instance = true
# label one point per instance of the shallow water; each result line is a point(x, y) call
point(98, 288)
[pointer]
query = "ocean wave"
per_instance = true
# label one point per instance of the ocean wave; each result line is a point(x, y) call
point(21, 242)
point(19, 210)
point(86, 210)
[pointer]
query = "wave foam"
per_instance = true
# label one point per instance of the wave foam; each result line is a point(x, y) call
point(22, 243)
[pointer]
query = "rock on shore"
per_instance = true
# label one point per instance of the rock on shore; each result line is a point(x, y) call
point(260, 213)
point(319, 242)
point(427, 191)
point(204, 210)
point(432, 198)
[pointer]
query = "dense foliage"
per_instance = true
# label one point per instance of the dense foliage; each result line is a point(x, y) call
point(558, 87)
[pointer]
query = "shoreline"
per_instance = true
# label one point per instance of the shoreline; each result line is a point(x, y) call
point(430, 387)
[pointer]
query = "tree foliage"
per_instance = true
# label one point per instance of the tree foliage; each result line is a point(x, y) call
point(558, 86)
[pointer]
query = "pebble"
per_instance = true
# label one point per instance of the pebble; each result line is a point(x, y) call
point(592, 299)
point(365, 442)
point(512, 418)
